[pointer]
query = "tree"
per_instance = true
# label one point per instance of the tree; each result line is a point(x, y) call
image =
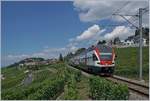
point(60, 57)
point(80, 50)
point(116, 40)
point(145, 33)
point(144, 30)
point(111, 42)
point(68, 56)
point(101, 42)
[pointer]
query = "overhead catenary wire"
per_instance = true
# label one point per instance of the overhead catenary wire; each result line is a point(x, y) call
point(130, 22)
point(119, 9)
point(134, 16)
point(131, 16)
point(141, 12)
point(135, 19)
point(116, 11)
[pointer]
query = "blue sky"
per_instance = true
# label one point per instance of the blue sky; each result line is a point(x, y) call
point(46, 29)
point(29, 26)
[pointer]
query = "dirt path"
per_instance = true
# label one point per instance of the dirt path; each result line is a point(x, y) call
point(83, 88)
point(28, 79)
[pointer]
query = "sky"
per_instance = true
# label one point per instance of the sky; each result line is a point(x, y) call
point(48, 28)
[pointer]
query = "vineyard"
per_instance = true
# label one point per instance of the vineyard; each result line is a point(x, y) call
point(64, 83)
point(103, 89)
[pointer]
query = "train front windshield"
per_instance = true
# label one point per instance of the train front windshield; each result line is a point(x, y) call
point(106, 57)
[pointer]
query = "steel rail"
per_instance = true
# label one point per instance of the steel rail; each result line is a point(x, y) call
point(137, 87)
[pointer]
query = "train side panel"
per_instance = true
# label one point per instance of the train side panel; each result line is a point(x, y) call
point(96, 61)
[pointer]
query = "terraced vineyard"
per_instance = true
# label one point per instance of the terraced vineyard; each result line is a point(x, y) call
point(56, 81)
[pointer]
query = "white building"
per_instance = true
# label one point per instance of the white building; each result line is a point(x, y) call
point(144, 42)
point(129, 43)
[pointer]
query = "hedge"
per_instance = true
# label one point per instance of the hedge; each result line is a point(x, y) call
point(20, 93)
point(101, 89)
point(49, 90)
point(71, 90)
point(72, 77)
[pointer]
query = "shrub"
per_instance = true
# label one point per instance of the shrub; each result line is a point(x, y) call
point(49, 90)
point(41, 76)
point(71, 91)
point(101, 89)
point(12, 82)
point(78, 76)
point(13, 94)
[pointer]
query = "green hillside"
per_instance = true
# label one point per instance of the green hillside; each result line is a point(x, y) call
point(127, 62)
point(58, 81)
point(19, 84)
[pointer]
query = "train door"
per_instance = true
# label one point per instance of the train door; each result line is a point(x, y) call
point(90, 61)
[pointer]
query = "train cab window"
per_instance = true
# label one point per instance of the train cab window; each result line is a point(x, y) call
point(94, 57)
point(106, 57)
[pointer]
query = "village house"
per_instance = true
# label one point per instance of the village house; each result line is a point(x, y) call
point(132, 41)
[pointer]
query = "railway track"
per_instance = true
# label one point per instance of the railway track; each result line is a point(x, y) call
point(133, 85)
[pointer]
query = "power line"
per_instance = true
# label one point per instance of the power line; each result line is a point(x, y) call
point(145, 10)
point(119, 9)
point(123, 16)
point(134, 16)
point(140, 13)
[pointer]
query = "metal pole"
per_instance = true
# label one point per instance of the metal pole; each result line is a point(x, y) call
point(141, 41)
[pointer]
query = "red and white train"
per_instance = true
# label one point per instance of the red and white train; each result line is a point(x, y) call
point(98, 59)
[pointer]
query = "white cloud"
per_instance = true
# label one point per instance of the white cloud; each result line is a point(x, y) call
point(94, 10)
point(93, 34)
point(89, 33)
point(86, 37)
point(90, 11)
point(120, 31)
point(11, 57)
point(48, 50)
point(45, 53)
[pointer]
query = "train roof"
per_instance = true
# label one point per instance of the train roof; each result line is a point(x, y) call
point(104, 48)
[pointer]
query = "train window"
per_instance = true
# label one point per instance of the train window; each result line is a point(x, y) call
point(105, 57)
point(94, 57)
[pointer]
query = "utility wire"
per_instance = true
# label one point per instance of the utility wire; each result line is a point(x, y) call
point(131, 21)
point(146, 9)
point(119, 9)
point(134, 17)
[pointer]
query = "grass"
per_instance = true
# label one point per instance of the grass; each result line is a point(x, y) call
point(82, 87)
point(12, 87)
point(126, 65)
point(127, 62)
point(13, 77)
